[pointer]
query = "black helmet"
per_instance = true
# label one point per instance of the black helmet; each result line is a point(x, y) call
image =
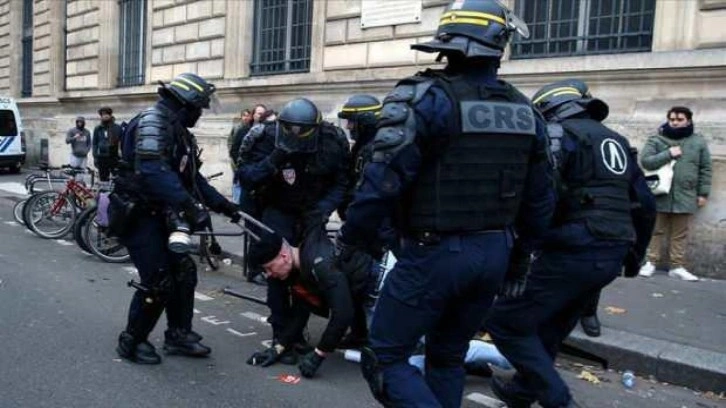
point(361, 108)
point(566, 98)
point(474, 28)
point(299, 119)
point(191, 89)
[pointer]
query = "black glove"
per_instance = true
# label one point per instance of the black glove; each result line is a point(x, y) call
point(195, 215)
point(264, 358)
point(632, 264)
point(515, 281)
point(278, 157)
point(310, 363)
point(231, 210)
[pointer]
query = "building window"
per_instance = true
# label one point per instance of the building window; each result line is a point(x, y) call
point(27, 41)
point(132, 38)
point(561, 28)
point(282, 36)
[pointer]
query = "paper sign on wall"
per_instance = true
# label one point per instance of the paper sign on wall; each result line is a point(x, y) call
point(379, 13)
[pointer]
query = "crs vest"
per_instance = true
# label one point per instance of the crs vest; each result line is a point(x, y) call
point(474, 182)
point(597, 181)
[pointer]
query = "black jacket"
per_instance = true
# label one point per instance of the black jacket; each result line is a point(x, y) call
point(322, 288)
point(106, 141)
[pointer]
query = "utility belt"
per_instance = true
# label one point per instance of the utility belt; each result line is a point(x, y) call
point(427, 238)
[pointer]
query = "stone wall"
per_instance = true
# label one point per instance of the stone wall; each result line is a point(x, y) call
point(5, 46)
point(187, 36)
point(82, 44)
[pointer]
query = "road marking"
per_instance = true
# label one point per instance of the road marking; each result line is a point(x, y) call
point(196, 311)
point(213, 320)
point(202, 297)
point(11, 223)
point(14, 187)
point(255, 316)
point(482, 399)
point(63, 242)
point(130, 270)
point(236, 333)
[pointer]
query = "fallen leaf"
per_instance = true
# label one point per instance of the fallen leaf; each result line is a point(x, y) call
point(615, 310)
point(589, 377)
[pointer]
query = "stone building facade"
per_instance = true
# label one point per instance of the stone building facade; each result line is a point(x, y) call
point(76, 48)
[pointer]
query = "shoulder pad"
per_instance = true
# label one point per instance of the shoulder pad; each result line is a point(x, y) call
point(152, 133)
point(410, 90)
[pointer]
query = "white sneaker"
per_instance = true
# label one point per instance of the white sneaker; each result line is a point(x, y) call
point(683, 274)
point(647, 270)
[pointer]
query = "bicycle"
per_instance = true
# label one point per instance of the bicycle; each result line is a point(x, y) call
point(54, 213)
point(30, 181)
point(209, 250)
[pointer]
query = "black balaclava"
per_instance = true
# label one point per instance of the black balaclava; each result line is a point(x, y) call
point(676, 133)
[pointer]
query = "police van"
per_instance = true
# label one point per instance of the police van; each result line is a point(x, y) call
point(12, 139)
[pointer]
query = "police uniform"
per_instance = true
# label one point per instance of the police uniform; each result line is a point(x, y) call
point(297, 172)
point(459, 160)
point(604, 207)
point(160, 174)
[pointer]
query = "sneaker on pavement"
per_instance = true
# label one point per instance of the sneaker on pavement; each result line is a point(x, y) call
point(647, 270)
point(683, 274)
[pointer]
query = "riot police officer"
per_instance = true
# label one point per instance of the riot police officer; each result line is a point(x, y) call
point(459, 161)
point(297, 171)
point(158, 189)
point(604, 207)
point(361, 114)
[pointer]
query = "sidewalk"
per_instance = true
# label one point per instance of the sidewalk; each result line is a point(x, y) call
point(662, 327)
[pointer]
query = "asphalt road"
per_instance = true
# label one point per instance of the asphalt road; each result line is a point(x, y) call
point(61, 311)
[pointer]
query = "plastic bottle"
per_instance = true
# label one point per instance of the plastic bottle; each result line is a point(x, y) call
point(628, 379)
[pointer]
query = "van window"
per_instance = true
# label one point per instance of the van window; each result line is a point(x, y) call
point(7, 123)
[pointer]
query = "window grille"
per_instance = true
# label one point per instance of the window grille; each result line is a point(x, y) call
point(132, 40)
point(27, 49)
point(579, 27)
point(282, 36)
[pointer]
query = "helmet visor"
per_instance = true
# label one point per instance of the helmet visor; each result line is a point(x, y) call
point(296, 138)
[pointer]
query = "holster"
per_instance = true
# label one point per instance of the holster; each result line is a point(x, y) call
point(122, 212)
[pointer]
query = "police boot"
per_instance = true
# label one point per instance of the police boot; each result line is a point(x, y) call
point(590, 325)
point(135, 351)
point(508, 395)
point(183, 342)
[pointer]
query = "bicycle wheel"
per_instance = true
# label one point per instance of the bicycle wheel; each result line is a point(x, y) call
point(79, 228)
point(18, 211)
point(58, 214)
point(102, 244)
point(209, 251)
point(28, 213)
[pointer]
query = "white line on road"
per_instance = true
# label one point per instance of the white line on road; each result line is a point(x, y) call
point(482, 399)
point(64, 242)
point(236, 333)
point(202, 297)
point(11, 223)
point(255, 316)
point(14, 187)
point(213, 320)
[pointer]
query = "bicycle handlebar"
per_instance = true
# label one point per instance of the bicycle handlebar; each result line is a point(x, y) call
point(243, 228)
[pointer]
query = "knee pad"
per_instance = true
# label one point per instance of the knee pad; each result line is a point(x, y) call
point(187, 272)
point(371, 369)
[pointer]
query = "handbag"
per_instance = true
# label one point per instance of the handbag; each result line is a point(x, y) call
point(661, 179)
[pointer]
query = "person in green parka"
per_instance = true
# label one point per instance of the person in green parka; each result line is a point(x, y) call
point(676, 140)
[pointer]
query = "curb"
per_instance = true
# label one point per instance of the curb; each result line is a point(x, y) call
point(666, 361)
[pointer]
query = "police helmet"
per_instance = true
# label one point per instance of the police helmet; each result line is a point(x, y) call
point(190, 89)
point(299, 120)
point(566, 98)
point(474, 28)
point(361, 108)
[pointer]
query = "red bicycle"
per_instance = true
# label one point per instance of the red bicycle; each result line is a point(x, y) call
point(51, 214)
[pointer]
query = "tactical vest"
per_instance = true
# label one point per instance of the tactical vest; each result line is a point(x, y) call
point(597, 181)
point(474, 181)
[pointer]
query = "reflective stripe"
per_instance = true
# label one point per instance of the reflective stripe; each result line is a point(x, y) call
point(192, 83)
point(552, 91)
point(469, 17)
point(179, 85)
point(363, 108)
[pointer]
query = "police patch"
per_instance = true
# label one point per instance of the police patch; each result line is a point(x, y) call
point(497, 117)
point(613, 156)
point(289, 176)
